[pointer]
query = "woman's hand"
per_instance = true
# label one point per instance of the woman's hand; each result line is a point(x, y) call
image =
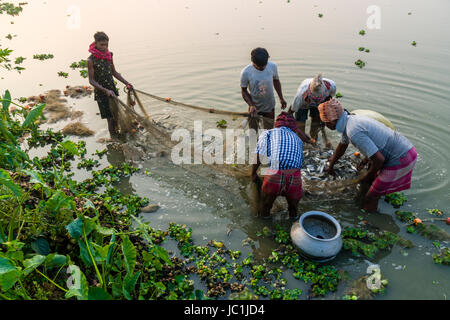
point(283, 103)
point(110, 93)
point(129, 86)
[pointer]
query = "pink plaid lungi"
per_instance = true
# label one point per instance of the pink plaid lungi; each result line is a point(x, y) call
point(397, 178)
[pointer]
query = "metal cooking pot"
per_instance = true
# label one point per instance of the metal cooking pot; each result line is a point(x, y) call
point(317, 235)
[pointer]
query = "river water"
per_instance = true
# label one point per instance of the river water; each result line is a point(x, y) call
point(193, 51)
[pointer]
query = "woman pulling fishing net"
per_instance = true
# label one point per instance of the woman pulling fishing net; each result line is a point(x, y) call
point(101, 72)
point(392, 156)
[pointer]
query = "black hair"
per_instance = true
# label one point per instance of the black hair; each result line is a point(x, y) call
point(101, 36)
point(260, 56)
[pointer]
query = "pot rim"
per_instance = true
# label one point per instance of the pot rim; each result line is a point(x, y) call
point(326, 216)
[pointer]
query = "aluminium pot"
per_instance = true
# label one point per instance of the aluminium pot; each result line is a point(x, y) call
point(317, 235)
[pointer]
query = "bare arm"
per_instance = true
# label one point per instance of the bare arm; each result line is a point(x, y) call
point(377, 163)
point(248, 99)
point(118, 76)
point(340, 151)
point(94, 83)
point(305, 138)
point(255, 168)
point(277, 86)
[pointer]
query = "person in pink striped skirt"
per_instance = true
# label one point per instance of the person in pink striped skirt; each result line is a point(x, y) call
point(392, 156)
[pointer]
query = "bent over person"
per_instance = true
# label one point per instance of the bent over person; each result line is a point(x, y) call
point(260, 78)
point(101, 72)
point(392, 156)
point(311, 93)
point(284, 151)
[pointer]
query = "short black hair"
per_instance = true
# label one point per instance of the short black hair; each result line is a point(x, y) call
point(101, 36)
point(260, 56)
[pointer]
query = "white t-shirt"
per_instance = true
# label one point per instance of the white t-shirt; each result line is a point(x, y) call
point(301, 99)
point(260, 85)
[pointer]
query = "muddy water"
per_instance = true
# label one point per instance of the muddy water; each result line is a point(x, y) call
point(193, 51)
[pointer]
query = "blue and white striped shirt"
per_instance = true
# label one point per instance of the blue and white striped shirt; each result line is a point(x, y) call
point(282, 147)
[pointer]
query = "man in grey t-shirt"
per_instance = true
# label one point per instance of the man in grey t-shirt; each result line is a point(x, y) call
point(392, 156)
point(260, 78)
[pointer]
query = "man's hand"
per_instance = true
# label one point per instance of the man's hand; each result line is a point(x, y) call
point(255, 177)
point(330, 169)
point(365, 180)
point(283, 103)
point(129, 86)
point(362, 164)
point(253, 111)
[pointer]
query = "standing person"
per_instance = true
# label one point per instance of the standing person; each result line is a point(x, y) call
point(392, 156)
point(101, 72)
point(260, 77)
point(284, 151)
point(310, 94)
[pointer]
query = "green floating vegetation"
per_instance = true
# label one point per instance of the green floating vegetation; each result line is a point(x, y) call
point(361, 64)
point(432, 232)
point(365, 243)
point(84, 73)
point(11, 9)
point(43, 56)
point(320, 15)
point(427, 230)
point(82, 64)
point(365, 287)
point(19, 60)
point(442, 258)
point(339, 95)
point(222, 124)
point(436, 212)
point(414, 43)
point(396, 199)
point(63, 74)
point(362, 32)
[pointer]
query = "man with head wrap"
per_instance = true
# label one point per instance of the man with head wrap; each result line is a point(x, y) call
point(284, 151)
point(310, 94)
point(392, 156)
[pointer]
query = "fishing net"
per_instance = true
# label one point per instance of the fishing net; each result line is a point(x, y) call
point(167, 116)
point(124, 119)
